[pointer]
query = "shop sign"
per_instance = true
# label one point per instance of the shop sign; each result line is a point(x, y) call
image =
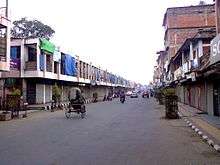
point(215, 50)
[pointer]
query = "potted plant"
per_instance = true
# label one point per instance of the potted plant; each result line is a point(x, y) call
point(171, 103)
point(12, 101)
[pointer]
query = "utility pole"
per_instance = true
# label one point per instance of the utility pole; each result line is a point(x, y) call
point(6, 11)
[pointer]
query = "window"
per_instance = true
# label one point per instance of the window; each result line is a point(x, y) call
point(55, 67)
point(32, 54)
point(3, 43)
point(15, 52)
point(194, 54)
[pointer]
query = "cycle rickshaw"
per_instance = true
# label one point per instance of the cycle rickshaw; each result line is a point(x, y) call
point(76, 105)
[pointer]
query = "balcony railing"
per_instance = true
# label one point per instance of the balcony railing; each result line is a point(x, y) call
point(3, 12)
point(31, 65)
point(194, 63)
point(3, 46)
point(178, 73)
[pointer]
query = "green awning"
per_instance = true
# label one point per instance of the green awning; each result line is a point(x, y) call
point(47, 46)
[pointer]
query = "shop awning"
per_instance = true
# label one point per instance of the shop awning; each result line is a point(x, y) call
point(47, 46)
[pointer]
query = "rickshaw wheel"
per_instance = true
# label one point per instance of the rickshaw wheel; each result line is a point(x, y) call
point(83, 115)
point(67, 113)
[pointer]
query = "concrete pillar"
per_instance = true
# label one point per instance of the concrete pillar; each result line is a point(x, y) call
point(62, 93)
point(24, 89)
point(2, 82)
point(78, 66)
point(8, 41)
point(45, 64)
point(51, 92)
point(58, 70)
point(51, 58)
point(38, 56)
point(44, 93)
point(23, 58)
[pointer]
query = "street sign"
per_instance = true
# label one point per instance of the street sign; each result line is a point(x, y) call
point(215, 50)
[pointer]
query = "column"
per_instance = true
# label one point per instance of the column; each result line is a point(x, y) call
point(22, 58)
point(217, 9)
point(44, 93)
point(45, 64)
point(58, 70)
point(38, 55)
point(24, 89)
point(78, 65)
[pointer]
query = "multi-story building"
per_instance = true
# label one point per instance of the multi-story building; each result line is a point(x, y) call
point(189, 66)
point(181, 23)
point(36, 65)
point(4, 37)
point(160, 69)
point(193, 55)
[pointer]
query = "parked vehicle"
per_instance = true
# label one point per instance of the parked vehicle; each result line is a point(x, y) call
point(128, 93)
point(145, 94)
point(134, 95)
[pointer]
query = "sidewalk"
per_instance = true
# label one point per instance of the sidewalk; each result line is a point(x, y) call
point(209, 125)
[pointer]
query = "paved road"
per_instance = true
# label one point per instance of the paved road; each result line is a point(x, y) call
point(133, 133)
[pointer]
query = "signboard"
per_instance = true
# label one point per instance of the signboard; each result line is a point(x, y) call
point(215, 50)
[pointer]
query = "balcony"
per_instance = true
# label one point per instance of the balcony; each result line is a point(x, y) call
point(194, 63)
point(178, 74)
point(185, 68)
point(30, 65)
point(4, 21)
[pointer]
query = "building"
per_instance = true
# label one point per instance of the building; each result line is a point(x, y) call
point(188, 68)
point(181, 23)
point(193, 52)
point(4, 37)
point(37, 65)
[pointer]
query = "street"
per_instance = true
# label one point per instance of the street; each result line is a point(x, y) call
point(134, 133)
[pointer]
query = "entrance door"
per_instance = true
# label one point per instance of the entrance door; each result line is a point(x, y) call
point(216, 99)
point(31, 93)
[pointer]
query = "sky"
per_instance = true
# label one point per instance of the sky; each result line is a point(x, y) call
point(121, 36)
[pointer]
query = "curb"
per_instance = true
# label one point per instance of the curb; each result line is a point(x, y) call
point(204, 137)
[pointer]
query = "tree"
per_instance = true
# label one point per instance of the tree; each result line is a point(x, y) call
point(25, 28)
point(202, 3)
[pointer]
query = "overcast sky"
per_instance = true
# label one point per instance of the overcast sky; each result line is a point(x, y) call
point(121, 36)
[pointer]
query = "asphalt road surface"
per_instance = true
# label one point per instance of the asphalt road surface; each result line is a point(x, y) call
point(112, 133)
